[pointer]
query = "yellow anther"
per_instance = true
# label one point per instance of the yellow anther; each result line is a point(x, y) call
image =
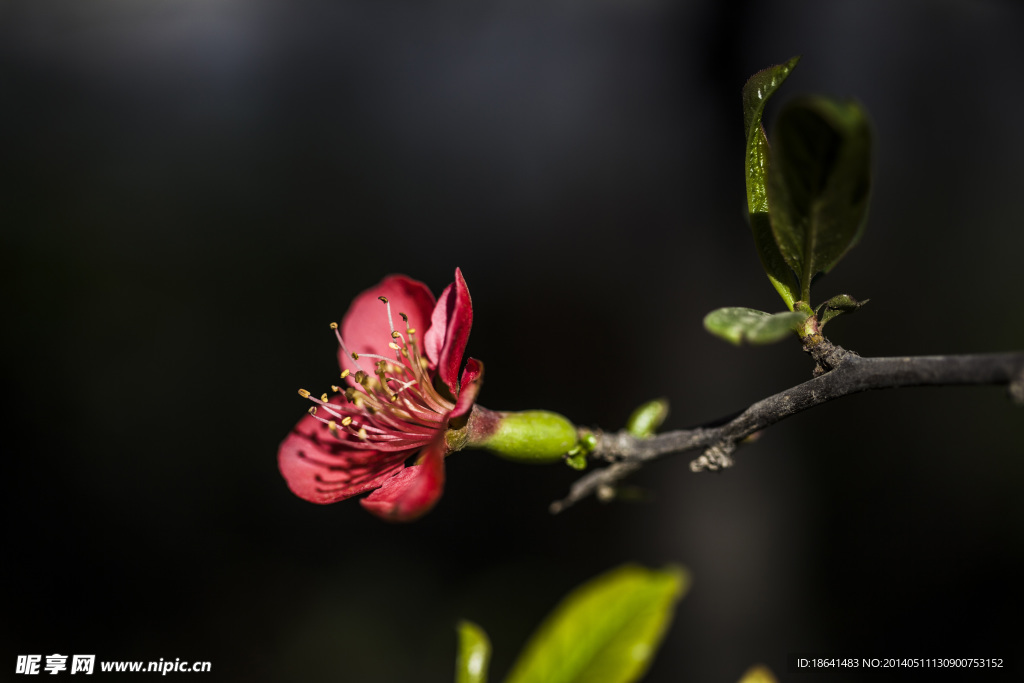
point(411, 330)
point(335, 388)
point(423, 363)
point(405, 353)
point(393, 345)
point(361, 377)
point(303, 393)
point(334, 326)
point(332, 425)
point(382, 299)
point(393, 397)
point(312, 410)
point(361, 434)
point(355, 356)
point(346, 420)
point(324, 397)
point(345, 373)
point(395, 335)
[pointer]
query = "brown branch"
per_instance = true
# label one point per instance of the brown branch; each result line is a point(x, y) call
point(851, 374)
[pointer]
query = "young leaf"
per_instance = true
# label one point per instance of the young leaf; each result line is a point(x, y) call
point(837, 305)
point(757, 327)
point(818, 183)
point(775, 267)
point(606, 631)
point(577, 461)
point(756, 92)
point(646, 419)
point(474, 654)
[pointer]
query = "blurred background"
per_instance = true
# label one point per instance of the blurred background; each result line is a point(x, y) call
point(193, 189)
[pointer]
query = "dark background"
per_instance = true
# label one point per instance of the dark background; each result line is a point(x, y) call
point(192, 190)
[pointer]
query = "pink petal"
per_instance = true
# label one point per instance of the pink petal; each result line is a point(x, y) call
point(469, 387)
point(450, 323)
point(411, 493)
point(322, 469)
point(365, 327)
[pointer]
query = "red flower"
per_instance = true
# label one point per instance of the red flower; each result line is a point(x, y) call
point(402, 390)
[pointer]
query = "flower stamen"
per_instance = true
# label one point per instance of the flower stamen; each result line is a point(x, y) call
point(393, 406)
point(353, 356)
point(391, 324)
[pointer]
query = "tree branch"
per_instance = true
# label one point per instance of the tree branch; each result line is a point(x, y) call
point(851, 374)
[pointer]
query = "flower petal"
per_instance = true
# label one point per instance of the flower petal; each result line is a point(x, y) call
point(469, 387)
point(411, 493)
point(365, 327)
point(445, 341)
point(322, 469)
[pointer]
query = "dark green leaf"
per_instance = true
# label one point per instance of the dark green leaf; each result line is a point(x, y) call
point(605, 631)
point(748, 324)
point(838, 305)
point(646, 419)
point(474, 654)
point(756, 92)
point(818, 183)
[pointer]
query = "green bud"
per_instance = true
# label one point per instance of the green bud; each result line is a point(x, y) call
point(531, 436)
point(646, 419)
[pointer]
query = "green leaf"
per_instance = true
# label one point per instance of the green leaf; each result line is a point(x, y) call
point(774, 265)
point(605, 631)
point(646, 419)
point(819, 183)
point(577, 460)
point(756, 92)
point(748, 324)
point(474, 654)
point(837, 306)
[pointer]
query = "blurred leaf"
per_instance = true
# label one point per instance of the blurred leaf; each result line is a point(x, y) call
point(756, 92)
point(838, 305)
point(605, 631)
point(757, 327)
point(818, 183)
point(474, 654)
point(646, 419)
point(759, 674)
point(577, 461)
